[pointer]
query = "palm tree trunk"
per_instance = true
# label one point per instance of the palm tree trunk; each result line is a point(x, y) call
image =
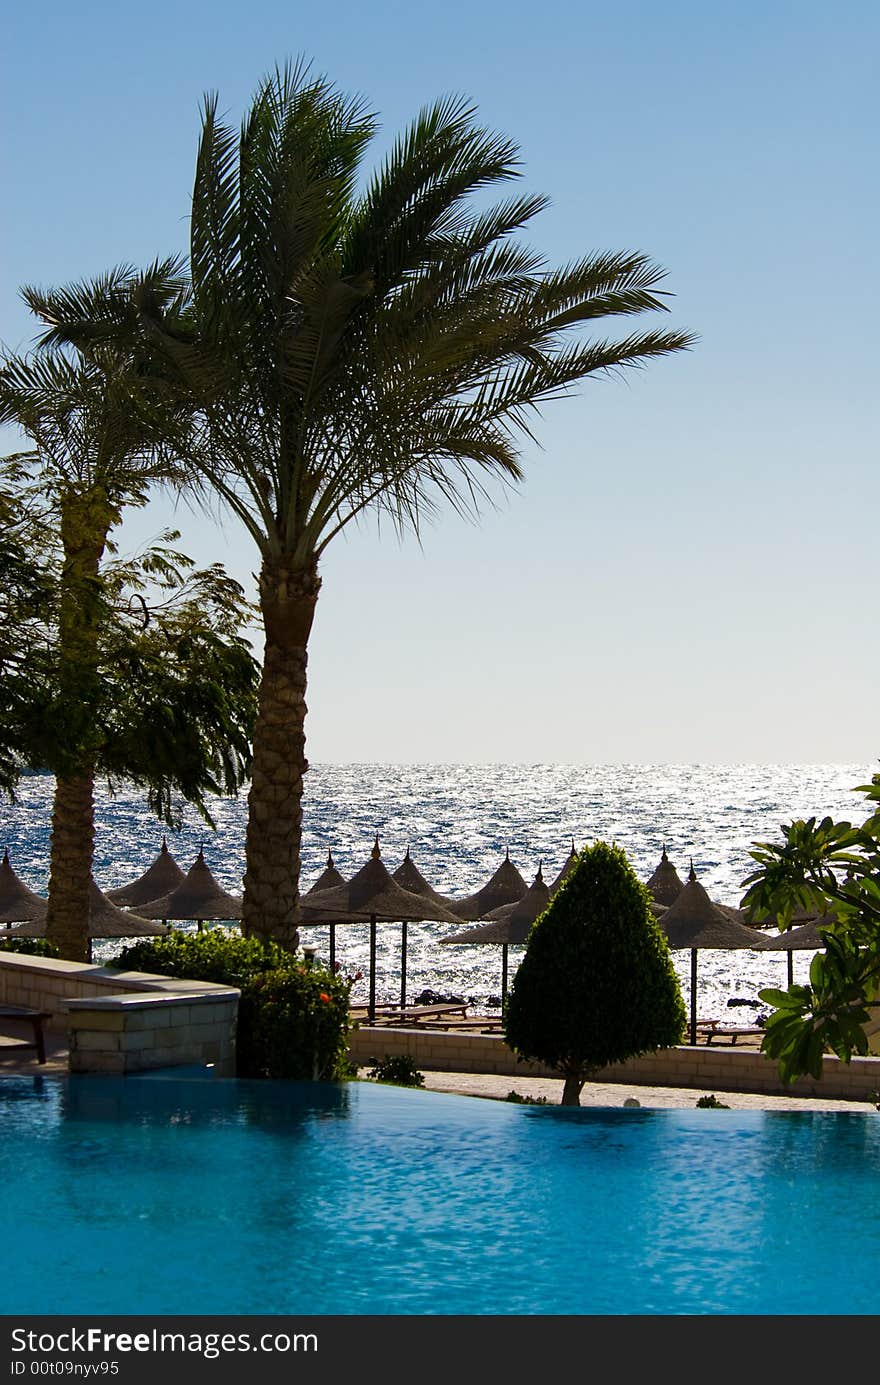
point(85, 523)
point(288, 594)
point(73, 838)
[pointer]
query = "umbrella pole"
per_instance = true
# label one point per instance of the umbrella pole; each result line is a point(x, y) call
point(790, 956)
point(403, 933)
point(693, 995)
point(333, 947)
point(371, 1010)
point(503, 976)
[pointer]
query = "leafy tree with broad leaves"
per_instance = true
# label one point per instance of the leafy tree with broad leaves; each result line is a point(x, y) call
point(597, 984)
point(826, 868)
point(350, 344)
point(134, 670)
point(27, 589)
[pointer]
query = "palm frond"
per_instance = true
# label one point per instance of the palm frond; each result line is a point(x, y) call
point(214, 233)
point(442, 160)
point(338, 350)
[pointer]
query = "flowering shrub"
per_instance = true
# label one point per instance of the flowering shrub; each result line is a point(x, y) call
point(293, 1022)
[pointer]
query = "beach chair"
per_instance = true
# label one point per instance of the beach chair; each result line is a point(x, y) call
point(729, 1033)
point(418, 1015)
point(34, 1019)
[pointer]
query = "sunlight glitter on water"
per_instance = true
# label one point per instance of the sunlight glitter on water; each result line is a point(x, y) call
point(458, 821)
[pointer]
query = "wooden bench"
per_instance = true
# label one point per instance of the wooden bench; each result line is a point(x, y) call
point(733, 1032)
point(412, 1014)
point(36, 1019)
point(467, 1024)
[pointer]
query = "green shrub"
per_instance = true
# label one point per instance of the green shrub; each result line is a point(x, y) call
point(293, 1023)
point(712, 1103)
point(215, 955)
point(597, 984)
point(400, 1070)
point(293, 1016)
point(31, 947)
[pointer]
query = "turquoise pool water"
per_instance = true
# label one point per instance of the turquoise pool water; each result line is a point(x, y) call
point(155, 1196)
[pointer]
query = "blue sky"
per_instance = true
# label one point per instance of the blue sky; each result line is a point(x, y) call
point(688, 572)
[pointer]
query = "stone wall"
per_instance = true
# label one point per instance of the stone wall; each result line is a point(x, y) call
point(712, 1067)
point(122, 1022)
point(136, 1033)
point(45, 983)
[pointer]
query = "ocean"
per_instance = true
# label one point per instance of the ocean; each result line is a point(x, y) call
point(457, 822)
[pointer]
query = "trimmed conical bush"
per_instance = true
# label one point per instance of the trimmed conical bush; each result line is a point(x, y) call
point(597, 984)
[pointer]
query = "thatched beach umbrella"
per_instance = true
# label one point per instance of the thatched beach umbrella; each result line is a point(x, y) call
point(505, 887)
point(694, 922)
point(372, 894)
point(163, 876)
point(523, 913)
point(199, 896)
point(665, 885)
point(18, 904)
point(409, 877)
point(329, 879)
point(805, 938)
point(106, 920)
point(511, 923)
point(738, 915)
point(570, 863)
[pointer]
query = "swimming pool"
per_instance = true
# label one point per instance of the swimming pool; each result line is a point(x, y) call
point(169, 1196)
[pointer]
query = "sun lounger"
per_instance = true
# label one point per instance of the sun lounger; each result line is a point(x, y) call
point(36, 1020)
point(465, 1024)
point(732, 1032)
point(411, 1014)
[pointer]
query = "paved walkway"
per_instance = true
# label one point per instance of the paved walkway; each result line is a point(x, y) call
point(617, 1094)
point(24, 1060)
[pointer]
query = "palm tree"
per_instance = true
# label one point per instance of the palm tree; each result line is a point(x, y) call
point(347, 347)
point(91, 449)
point(96, 692)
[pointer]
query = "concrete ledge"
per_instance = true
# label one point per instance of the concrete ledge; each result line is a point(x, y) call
point(730, 1069)
point(121, 1022)
point(49, 983)
point(157, 1000)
